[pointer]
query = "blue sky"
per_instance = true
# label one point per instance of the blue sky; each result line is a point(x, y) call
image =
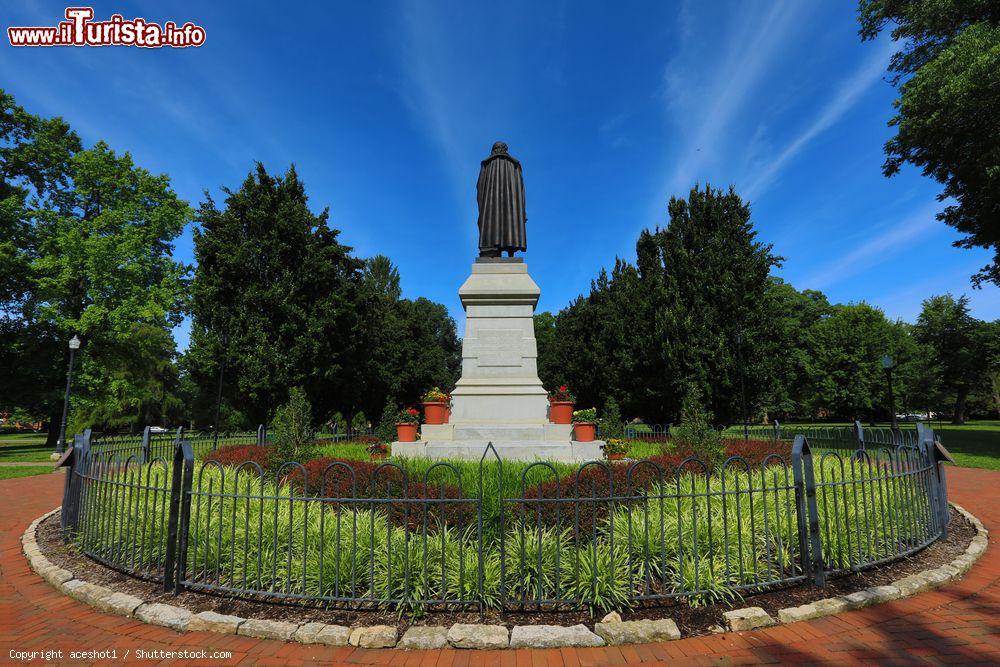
point(386, 109)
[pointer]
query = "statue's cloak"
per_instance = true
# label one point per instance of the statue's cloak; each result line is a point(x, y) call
point(500, 193)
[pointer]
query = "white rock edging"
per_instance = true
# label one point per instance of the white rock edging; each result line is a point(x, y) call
point(901, 588)
point(611, 630)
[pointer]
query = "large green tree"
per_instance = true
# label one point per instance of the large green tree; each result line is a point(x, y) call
point(286, 304)
point(961, 349)
point(91, 257)
point(686, 318)
point(948, 113)
point(714, 316)
point(411, 346)
point(845, 372)
point(274, 294)
point(787, 346)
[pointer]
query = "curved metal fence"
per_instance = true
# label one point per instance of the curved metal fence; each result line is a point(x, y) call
point(501, 534)
point(149, 445)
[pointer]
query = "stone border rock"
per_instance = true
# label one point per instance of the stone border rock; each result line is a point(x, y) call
point(611, 630)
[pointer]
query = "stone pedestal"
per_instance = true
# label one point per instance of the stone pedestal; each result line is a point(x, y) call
point(499, 382)
point(499, 398)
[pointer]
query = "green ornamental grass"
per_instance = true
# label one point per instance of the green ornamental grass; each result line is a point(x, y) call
point(703, 538)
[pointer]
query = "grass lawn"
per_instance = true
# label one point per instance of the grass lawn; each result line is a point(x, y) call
point(975, 444)
point(21, 447)
point(10, 472)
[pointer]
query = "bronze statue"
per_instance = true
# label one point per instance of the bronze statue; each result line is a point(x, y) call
point(500, 193)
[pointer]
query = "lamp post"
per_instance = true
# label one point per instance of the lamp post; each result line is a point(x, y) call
point(887, 365)
point(218, 397)
point(743, 394)
point(74, 345)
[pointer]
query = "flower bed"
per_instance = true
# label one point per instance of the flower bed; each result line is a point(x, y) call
point(417, 535)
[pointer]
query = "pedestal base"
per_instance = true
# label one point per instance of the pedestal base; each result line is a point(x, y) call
point(565, 451)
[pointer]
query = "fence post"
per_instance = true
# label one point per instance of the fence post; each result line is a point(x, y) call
point(939, 488)
point(261, 435)
point(175, 559)
point(70, 514)
point(859, 434)
point(777, 432)
point(807, 511)
point(146, 445)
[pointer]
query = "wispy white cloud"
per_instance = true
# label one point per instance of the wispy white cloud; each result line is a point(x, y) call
point(427, 60)
point(846, 97)
point(737, 73)
point(876, 250)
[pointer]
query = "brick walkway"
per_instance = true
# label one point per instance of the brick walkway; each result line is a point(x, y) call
point(959, 623)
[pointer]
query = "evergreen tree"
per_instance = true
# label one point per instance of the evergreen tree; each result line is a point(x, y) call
point(274, 279)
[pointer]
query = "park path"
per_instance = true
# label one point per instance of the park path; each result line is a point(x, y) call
point(956, 624)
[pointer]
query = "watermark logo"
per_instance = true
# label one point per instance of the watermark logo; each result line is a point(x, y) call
point(79, 29)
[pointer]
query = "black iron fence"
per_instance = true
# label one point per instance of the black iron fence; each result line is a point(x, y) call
point(349, 434)
point(501, 534)
point(844, 439)
point(160, 444)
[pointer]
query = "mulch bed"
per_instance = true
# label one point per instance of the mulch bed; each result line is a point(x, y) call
point(691, 621)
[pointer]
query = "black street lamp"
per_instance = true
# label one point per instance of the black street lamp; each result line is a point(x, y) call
point(218, 398)
point(74, 345)
point(743, 393)
point(887, 365)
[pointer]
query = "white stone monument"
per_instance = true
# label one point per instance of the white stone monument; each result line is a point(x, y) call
point(499, 398)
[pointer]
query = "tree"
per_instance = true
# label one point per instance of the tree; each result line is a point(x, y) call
point(35, 156)
point(650, 333)
point(411, 345)
point(381, 275)
point(272, 275)
point(946, 119)
point(788, 347)
point(715, 276)
point(292, 430)
point(545, 339)
point(958, 345)
point(300, 309)
point(89, 253)
point(847, 378)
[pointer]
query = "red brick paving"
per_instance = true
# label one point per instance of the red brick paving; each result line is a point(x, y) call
point(956, 624)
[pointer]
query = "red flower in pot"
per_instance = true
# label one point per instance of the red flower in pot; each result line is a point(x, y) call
point(561, 402)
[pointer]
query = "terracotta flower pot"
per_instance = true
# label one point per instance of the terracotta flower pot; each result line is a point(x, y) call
point(561, 412)
point(584, 431)
point(435, 412)
point(618, 456)
point(406, 432)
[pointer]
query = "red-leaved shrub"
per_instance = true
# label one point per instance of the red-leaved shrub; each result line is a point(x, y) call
point(329, 477)
point(756, 451)
point(233, 455)
point(627, 482)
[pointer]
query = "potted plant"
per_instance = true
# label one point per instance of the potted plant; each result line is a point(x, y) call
point(615, 449)
point(378, 451)
point(585, 425)
point(561, 402)
point(406, 425)
point(435, 404)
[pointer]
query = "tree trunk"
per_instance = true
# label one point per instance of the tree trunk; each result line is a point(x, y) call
point(995, 384)
point(960, 400)
point(53, 435)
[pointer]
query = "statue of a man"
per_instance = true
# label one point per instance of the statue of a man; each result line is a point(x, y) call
point(500, 193)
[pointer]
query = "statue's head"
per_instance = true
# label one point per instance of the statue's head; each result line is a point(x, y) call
point(499, 148)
